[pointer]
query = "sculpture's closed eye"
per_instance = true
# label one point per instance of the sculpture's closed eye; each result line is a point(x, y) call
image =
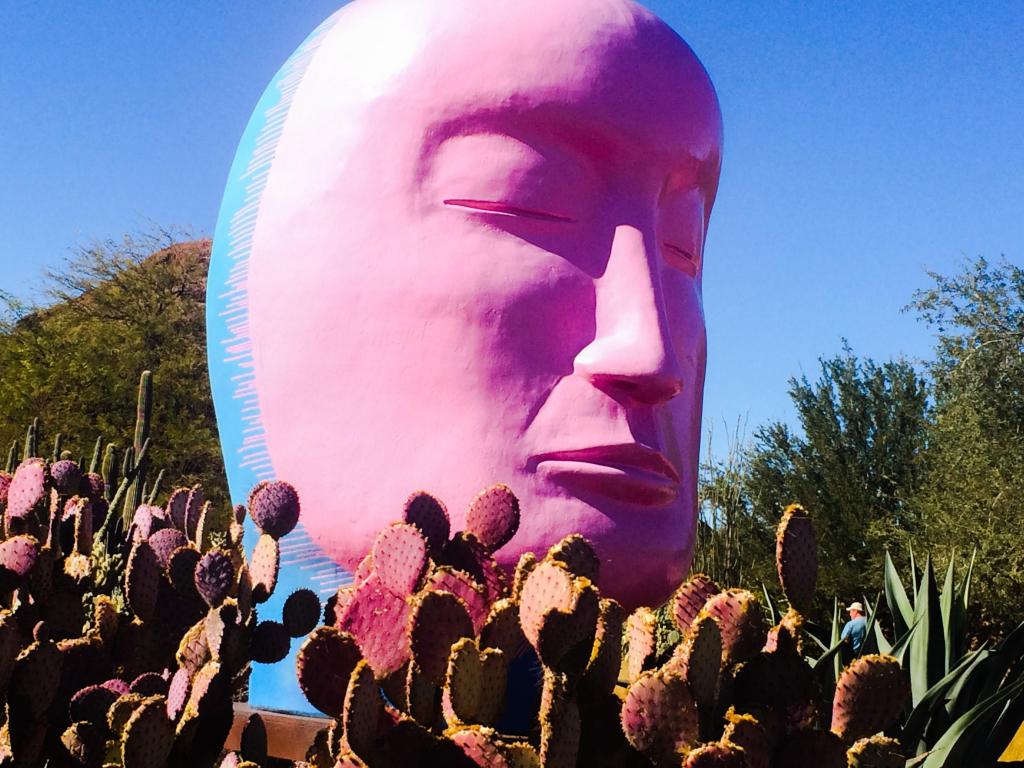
point(504, 209)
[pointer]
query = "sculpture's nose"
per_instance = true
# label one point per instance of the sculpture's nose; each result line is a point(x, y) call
point(631, 357)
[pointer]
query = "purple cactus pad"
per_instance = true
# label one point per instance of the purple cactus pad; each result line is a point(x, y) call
point(275, 508)
point(66, 474)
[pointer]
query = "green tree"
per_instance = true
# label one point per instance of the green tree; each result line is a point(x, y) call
point(855, 465)
point(116, 309)
point(974, 493)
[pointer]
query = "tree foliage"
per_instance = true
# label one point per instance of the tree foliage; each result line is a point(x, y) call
point(117, 308)
point(855, 465)
point(974, 493)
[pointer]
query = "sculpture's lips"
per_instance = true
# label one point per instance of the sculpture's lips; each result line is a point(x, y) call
point(631, 473)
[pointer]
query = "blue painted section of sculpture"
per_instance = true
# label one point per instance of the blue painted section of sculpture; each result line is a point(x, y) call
point(231, 376)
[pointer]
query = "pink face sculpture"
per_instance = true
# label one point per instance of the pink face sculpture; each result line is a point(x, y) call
point(477, 260)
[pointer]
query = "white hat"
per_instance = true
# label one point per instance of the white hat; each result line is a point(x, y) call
point(855, 606)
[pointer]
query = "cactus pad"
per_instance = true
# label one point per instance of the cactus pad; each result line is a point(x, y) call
point(641, 635)
point(717, 754)
point(164, 542)
point(741, 620)
point(603, 666)
point(400, 557)
point(181, 569)
point(439, 619)
point(460, 584)
point(149, 684)
point(429, 515)
point(502, 630)
point(560, 723)
point(177, 503)
point(264, 567)
point(659, 716)
point(18, 556)
point(253, 742)
point(193, 509)
point(85, 742)
point(493, 517)
point(702, 650)
point(876, 752)
point(746, 731)
point(378, 619)
point(148, 735)
point(177, 693)
point(324, 665)
point(91, 704)
point(274, 508)
point(362, 711)
point(474, 689)
point(578, 556)
point(796, 557)
point(142, 580)
point(301, 612)
point(557, 611)
point(215, 576)
point(27, 490)
point(690, 598)
point(66, 475)
point(869, 696)
point(527, 562)
point(270, 642)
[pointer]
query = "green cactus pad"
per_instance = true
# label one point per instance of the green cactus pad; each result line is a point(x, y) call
point(264, 566)
point(439, 619)
point(121, 710)
point(493, 517)
point(560, 723)
point(474, 688)
point(659, 717)
point(400, 558)
point(527, 562)
point(578, 556)
point(717, 754)
point(558, 614)
point(422, 696)
point(362, 711)
point(741, 620)
point(746, 732)
point(869, 696)
point(429, 515)
point(641, 636)
point(796, 557)
point(690, 598)
point(603, 666)
point(148, 735)
point(502, 630)
point(460, 584)
point(142, 580)
point(301, 612)
point(85, 743)
point(787, 635)
point(702, 652)
point(193, 649)
point(876, 752)
point(36, 676)
point(324, 665)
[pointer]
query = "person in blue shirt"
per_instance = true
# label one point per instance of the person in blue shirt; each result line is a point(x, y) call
point(855, 629)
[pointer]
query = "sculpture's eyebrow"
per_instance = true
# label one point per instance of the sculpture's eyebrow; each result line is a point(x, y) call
point(596, 143)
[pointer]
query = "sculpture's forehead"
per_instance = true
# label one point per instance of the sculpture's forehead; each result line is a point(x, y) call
point(607, 64)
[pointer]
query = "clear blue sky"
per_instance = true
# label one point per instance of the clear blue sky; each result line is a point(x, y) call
point(865, 143)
